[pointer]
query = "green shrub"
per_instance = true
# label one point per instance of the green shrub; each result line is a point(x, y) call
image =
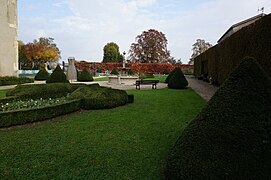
point(37, 91)
point(230, 138)
point(177, 80)
point(170, 75)
point(84, 76)
point(42, 75)
point(58, 76)
point(130, 72)
point(100, 98)
point(12, 80)
point(131, 98)
point(115, 71)
point(20, 117)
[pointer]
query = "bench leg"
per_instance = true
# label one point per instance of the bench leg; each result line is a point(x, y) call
point(138, 87)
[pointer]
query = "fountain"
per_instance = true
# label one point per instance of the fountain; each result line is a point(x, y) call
point(123, 78)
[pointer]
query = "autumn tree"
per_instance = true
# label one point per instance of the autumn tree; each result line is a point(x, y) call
point(150, 47)
point(111, 53)
point(199, 47)
point(38, 52)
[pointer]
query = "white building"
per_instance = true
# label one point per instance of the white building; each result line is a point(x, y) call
point(8, 38)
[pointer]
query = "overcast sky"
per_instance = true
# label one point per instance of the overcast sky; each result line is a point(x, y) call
point(81, 28)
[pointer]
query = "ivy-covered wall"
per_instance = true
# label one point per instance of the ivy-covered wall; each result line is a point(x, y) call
point(253, 41)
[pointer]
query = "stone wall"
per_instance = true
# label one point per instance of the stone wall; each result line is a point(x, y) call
point(8, 38)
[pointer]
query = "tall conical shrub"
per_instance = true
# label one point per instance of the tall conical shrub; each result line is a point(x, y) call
point(58, 76)
point(177, 80)
point(170, 75)
point(231, 136)
point(42, 75)
point(84, 76)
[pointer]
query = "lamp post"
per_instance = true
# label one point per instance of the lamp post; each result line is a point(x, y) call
point(123, 63)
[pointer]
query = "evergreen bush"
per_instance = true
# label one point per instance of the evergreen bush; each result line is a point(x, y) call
point(115, 71)
point(177, 80)
point(170, 75)
point(84, 76)
point(42, 75)
point(231, 137)
point(12, 80)
point(130, 72)
point(58, 76)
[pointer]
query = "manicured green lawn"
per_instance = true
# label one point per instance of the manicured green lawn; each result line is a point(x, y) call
point(160, 78)
point(3, 93)
point(128, 142)
point(101, 79)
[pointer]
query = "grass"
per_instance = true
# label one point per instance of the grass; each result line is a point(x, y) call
point(128, 142)
point(160, 78)
point(3, 93)
point(101, 79)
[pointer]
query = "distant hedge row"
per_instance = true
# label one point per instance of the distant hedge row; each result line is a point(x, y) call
point(253, 41)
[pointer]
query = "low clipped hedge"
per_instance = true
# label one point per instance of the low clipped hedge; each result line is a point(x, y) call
point(12, 80)
point(78, 96)
point(35, 91)
point(20, 117)
point(100, 98)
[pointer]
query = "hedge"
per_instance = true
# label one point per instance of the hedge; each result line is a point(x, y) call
point(253, 41)
point(230, 138)
point(42, 75)
point(20, 117)
point(12, 80)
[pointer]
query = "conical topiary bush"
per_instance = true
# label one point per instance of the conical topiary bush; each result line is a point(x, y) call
point(177, 80)
point(42, 75)
point(231, 136)
point(115, 71)
point(58, 76)
point(170, 75)
point(84, 76)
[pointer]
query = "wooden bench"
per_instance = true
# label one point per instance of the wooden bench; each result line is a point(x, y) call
point(146, 82)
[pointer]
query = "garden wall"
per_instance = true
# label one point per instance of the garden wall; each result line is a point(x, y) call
point(154, 68)
point(253, 41)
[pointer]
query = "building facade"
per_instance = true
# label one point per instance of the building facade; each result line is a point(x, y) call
point(8, 38)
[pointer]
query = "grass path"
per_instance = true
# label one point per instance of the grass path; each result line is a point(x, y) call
point(128, 142)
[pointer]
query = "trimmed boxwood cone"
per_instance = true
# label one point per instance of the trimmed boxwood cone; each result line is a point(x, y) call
point(231, 137)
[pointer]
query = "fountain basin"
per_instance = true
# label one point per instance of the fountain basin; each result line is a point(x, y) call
point(122, 80)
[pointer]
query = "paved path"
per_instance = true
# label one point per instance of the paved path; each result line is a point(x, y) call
point(205, 90)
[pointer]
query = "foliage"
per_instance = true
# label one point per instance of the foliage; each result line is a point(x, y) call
point(230, 138)
point(128, 142)
point(177, 80)
point(12, 80)
point(42, 75)
point(23, 116)
point(130, 72)
point(36, 91)
point(111, 53)
point(99, 98)
point(115, 71)
point(84, 76)
point(29, 104)
point(154, 68)
point(58, 76)
point(35, 54)
point(198, 48)
point(150, 47)
point(253, 40)
point(170, 75)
